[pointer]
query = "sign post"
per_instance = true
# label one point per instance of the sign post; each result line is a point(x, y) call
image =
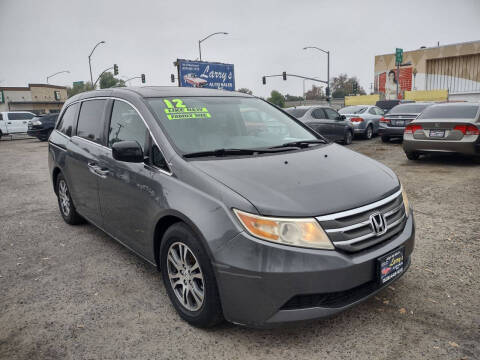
point(398, 61)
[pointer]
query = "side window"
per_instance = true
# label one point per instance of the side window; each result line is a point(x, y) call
point(379, 111)
point(331, 114)
point(1, 117)
point(157, 159)
point(65, 125)
point(20, 116)
point(126, 124)
point(372, 111)
point(318, 114)
point(90, 120)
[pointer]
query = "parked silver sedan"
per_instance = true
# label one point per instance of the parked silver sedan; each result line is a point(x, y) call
point(364, 118)
point(450, 127)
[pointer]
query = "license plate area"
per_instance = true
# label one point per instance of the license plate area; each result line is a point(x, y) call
point(398, 122)
point(437, 133)
point(391, 266)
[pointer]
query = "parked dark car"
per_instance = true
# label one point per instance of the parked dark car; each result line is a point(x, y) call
point(258, 227)
point(326, 121)
point(42, 126)
point(393, 123)
point(387, 105)
point(450, 127)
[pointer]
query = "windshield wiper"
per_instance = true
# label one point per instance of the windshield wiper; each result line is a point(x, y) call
point(233, 152)
point(300, 143)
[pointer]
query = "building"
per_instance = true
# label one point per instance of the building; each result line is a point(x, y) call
point(455, 68)
point(37, 98)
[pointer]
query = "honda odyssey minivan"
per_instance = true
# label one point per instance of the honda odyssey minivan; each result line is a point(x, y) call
point(258, 223)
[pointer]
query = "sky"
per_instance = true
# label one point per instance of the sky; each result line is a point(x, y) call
point(39, 38)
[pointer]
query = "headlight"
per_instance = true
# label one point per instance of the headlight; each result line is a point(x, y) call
point(405, 202)
point(36, 122)
point(296, 232)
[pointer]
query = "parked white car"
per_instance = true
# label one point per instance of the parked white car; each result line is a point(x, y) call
point(14, 122)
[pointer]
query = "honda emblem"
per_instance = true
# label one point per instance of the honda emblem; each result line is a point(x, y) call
point(378, 223)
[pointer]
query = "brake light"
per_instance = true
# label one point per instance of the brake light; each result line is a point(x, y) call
point(467, 129)
point(411, 128)
point(356, 119)
point(382, 119)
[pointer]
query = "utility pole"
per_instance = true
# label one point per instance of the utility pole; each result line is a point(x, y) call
point(327, 90)
point(90, 60)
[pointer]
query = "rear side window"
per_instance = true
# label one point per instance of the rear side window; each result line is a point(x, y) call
point(67, 122)
point(298, 113)
point(20, 116)
point(126, 124)
point(318, 114)
point(90, 120)
point(450, 112)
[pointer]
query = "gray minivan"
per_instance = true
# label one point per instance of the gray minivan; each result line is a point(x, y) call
point(248, 214)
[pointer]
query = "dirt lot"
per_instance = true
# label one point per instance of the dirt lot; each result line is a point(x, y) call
point(74, 293)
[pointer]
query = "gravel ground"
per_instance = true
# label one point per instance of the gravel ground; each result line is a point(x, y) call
point(74, 293)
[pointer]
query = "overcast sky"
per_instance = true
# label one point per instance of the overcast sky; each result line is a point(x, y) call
point(39, 38)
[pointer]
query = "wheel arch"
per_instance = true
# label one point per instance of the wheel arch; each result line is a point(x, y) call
point(55, 173)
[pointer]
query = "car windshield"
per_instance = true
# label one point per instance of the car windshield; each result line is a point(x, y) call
point(450, 112)
point(196, 124)
point(408, 109)
point(298, 113)
point(352, 110)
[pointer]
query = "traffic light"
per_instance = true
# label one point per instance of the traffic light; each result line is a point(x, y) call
point(115, 69)
point(172, 78)
point(355, 87)
point(143, 78)
point(327, 92)
point(264, 80)
point(284, 75)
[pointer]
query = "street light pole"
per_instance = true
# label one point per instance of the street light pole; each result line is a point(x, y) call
point(60, 72)
point(328, 67)
point(205, 38)
point(90, 60)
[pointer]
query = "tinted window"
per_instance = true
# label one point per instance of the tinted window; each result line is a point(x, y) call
point(298, 113)
point(450, 112)
point(352, 110)
point(126, 124)
point(20, 116)
point(209, 123)
point(90, 120)
point(158, 160)
point(318, 114)
point(331, 114)
point(408, 109)
point(1, 117)
point(67, 122)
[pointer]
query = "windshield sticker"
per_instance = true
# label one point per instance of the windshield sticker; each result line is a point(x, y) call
point(181, 111)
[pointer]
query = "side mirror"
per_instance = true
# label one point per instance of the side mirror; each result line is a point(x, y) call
point(127, 151)
point(341, 117)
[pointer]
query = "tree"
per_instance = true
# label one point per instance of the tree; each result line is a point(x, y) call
point(343, 86)
point(107, 80)
point(245, 91)
point(79, 87)
point(289, 97)
point(316, 93)
point(276, 98)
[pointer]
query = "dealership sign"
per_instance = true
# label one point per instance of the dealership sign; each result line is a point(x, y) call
point(203, 74)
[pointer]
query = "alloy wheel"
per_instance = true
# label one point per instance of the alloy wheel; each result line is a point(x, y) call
point(186, 277)
point(64, 197)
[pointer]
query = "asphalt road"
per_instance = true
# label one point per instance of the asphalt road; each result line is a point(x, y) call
point(74, 293)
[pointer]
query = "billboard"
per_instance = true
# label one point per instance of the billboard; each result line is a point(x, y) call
point(204, 74)
point(387, 82)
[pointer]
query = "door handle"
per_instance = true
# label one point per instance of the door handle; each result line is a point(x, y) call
point(97, 170)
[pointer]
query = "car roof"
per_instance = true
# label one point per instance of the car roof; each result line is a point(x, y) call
point(306, 107)
point(457, 103)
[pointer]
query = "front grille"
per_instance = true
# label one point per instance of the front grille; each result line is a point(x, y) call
point(353, 230)
point(399, 120)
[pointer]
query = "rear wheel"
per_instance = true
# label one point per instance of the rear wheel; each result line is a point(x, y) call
point(369, 132)
point(385, 138)
point(347, 138)
point(412, 155)
point(65, 203)
point(188, 277)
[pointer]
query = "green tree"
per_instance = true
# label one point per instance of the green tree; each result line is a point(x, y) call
point(289, 97)
point(79, 87)
point(343, 86)
point(276, 98)
point(245, 91)
point(107, 80)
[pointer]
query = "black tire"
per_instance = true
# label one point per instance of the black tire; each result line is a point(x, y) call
point(209, 312)
point(385, 139)
point(412, 155)
point(369, 132)
point(348, 137)
point(65, 204)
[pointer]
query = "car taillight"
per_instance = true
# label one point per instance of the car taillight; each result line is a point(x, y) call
point(411, 128)
point(382, 119)
point(467, 129)
point(356, 119)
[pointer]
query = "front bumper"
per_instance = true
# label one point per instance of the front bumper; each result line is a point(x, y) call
point(38, 132)
point(257, 279)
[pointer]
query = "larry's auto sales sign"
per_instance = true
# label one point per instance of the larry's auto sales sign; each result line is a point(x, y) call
point(206, 74)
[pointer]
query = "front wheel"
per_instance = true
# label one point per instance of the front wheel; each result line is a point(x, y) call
point(347, 139)
point(188, 277)
point(369, 132)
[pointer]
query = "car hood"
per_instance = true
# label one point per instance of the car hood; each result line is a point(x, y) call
point(310, 182)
